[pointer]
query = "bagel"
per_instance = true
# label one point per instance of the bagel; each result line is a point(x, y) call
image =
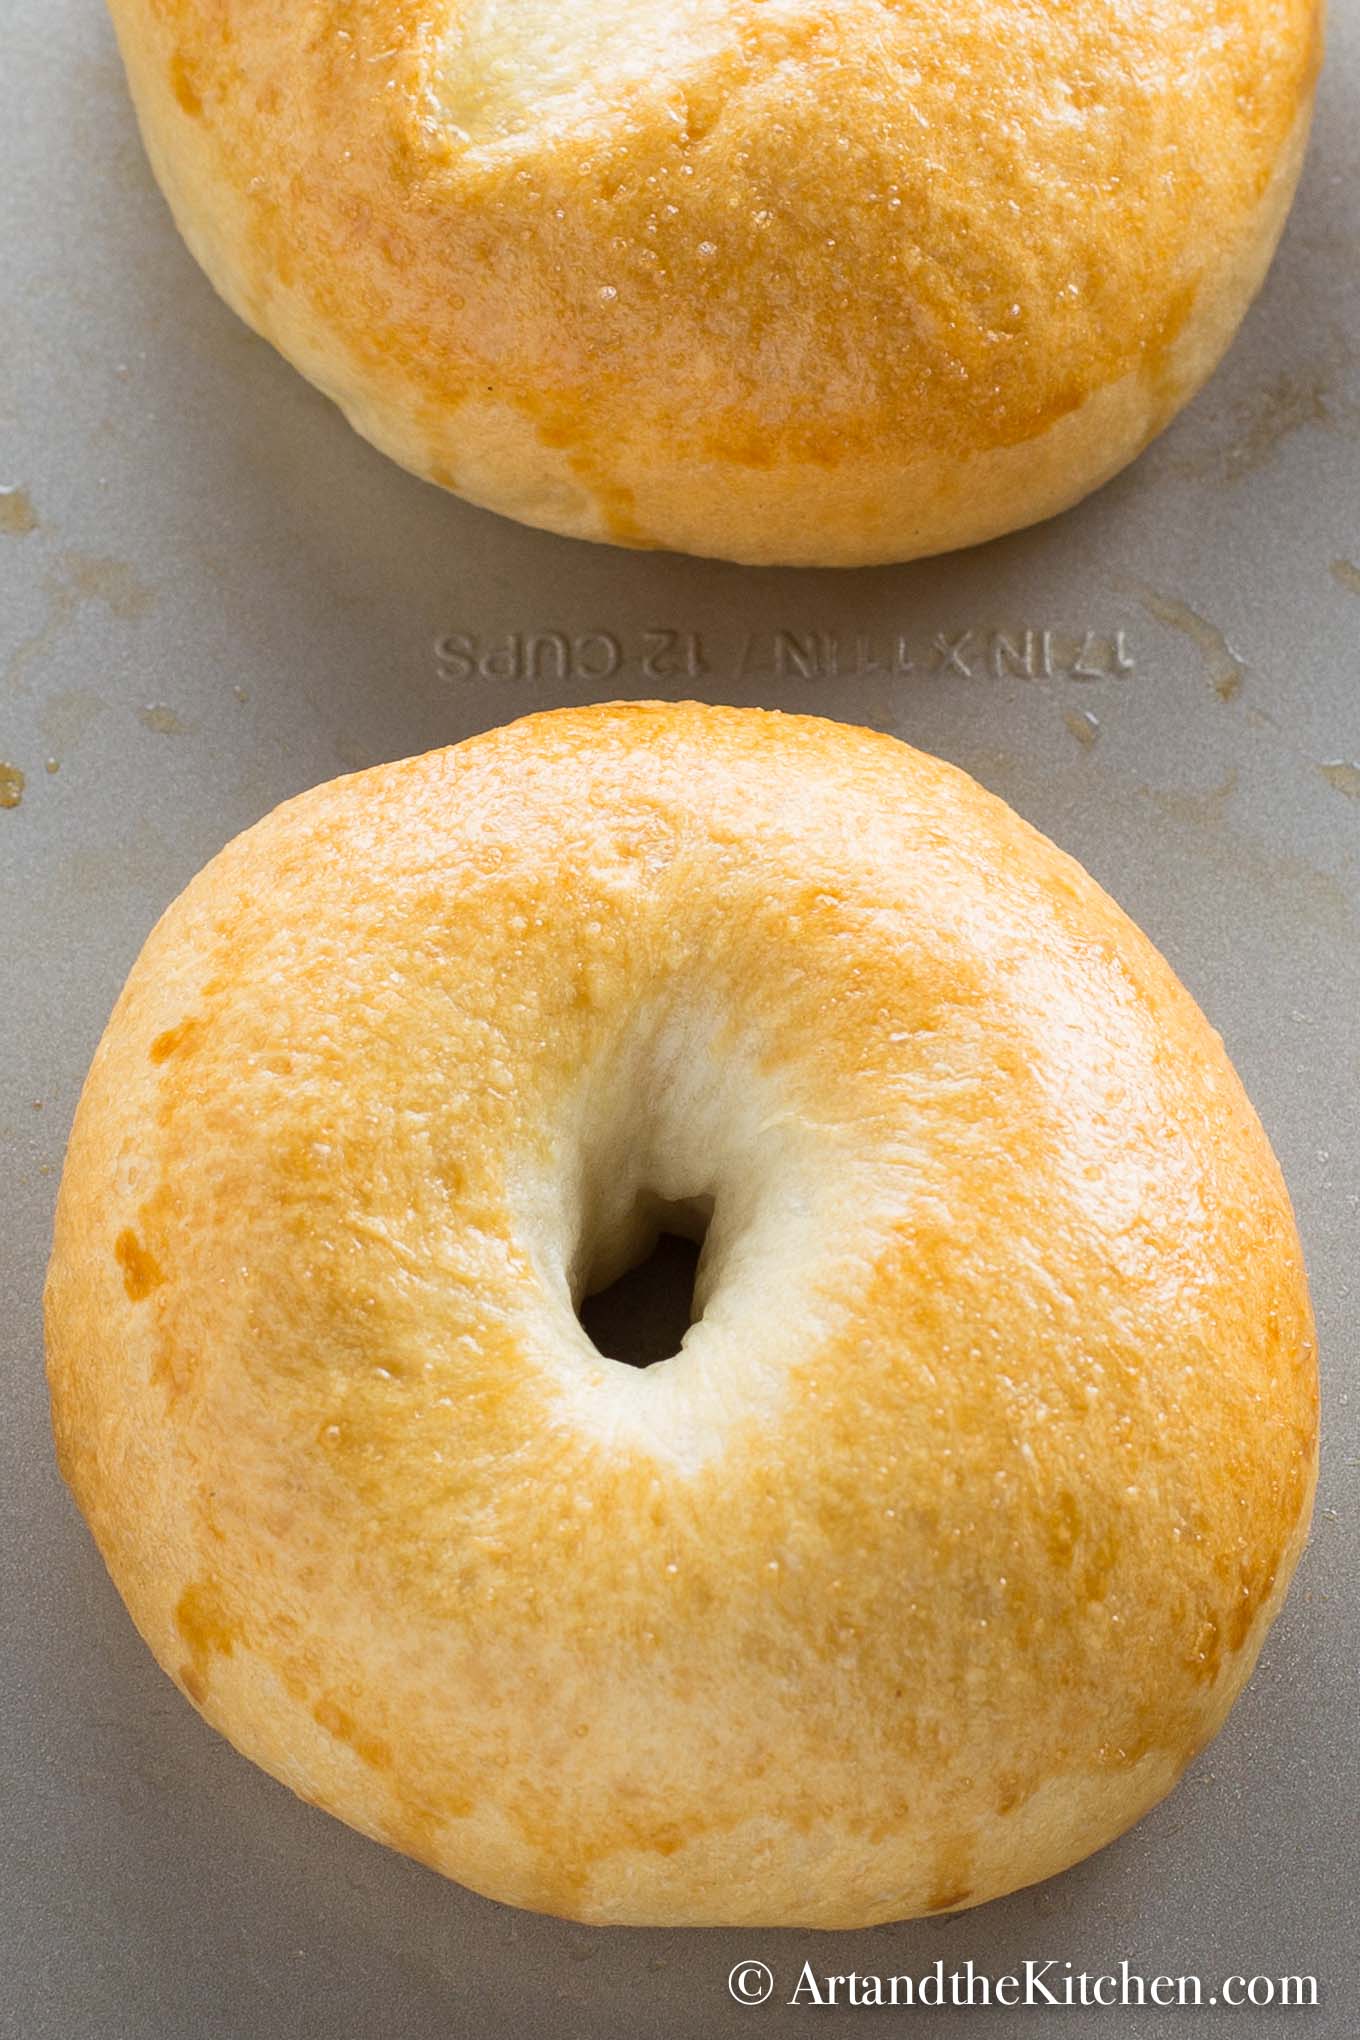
point(815, 281)
point(955, 1525)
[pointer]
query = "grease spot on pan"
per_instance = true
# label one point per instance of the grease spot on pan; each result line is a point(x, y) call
point(17, 515)
point(1311, 397)
point(1223, 668)
point(1083, 725)
point(1344, 775)
point(80, 578)
point(67, 715)
point(162, 719)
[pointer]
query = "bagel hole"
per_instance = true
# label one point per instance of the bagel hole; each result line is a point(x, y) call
point(640, 1316)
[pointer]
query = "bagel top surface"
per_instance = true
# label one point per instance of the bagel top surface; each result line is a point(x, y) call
point(955, 1525)
point(781, 279)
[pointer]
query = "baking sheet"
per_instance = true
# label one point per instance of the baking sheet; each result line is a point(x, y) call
point(213, 594)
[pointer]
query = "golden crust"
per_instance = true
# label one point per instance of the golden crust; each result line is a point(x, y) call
point(811, 283)
point(956, 1526)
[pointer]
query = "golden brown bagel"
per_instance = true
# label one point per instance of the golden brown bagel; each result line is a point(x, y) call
point(819, 281)
point(955, 1526)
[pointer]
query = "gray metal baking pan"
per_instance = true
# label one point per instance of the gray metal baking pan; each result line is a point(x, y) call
point(213, 594)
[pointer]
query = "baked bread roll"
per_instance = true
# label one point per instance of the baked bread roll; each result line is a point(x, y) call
point(955, 1525)
point(816, 281)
